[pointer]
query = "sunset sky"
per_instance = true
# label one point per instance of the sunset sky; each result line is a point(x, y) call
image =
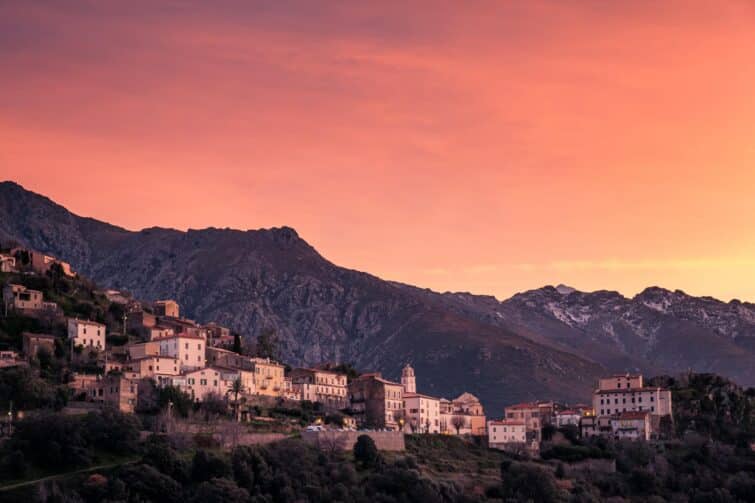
point(489, 147)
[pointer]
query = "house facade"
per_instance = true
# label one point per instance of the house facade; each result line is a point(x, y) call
point(322, 386)
point(506, 433)
point(529, 414)
point(188, 349)
point(88, 334)
point(422, 413)
point(118, 391)
point(377, 402)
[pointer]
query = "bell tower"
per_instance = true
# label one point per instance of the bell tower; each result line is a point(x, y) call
point(408, 379)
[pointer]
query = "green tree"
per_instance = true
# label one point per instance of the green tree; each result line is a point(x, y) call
point(366, 452)
point(267, 344)
point(237, 348)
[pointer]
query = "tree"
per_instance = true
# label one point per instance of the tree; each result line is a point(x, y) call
point(214, 405)
point(220, 490)
point(267, 344)
point(458, 422)
point(527, 482)
point(366, 452)
point(237, 389)
point(237, 343)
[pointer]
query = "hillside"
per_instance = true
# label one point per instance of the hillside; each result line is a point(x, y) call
point(251, 280)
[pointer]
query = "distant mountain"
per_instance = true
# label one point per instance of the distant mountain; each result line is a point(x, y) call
point(656, 331)
point(250, 280)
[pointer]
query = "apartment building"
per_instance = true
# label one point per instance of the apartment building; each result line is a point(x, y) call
point(506, 433)
point(422, 413)
point(377, 402)
point(322, 386)
point(200, 383)
point(627, 393)
point(188, 349)
point(529, 414)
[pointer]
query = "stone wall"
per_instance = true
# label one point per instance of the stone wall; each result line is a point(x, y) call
point(345, 440)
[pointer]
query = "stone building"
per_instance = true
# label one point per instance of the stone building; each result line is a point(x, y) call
point(118, 391)
point(32, 342)
point(376, 402)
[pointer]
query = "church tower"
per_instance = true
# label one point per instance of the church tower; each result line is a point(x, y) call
point(408, 379)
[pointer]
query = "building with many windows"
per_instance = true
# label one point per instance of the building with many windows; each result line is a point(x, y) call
point(322, 386)
point(377, 402)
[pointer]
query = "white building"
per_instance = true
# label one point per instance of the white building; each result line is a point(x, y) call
point(422, 413)
point(507, 433)
point(626, 393)
point(188, 349)
point(202, 382)
point(632, 425)
point(568, 417)
point(88, 334)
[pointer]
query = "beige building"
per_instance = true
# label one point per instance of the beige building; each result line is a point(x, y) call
point(142, 349)
point(422, 413)
point(188, 349)
point(506, 434)
point(626, 393)
point(167, 308)
point(32, 342)
point(115, 390)
point(322, 386)
point(465, 408)
point(19, 297)
point(202, 382)
point(151, 366)
point(377, 402)
point(88, 334)
point(529, 414)
point(268, 376)
point(157, 332)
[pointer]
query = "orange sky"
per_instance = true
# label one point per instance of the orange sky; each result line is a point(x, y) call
point(490, 147)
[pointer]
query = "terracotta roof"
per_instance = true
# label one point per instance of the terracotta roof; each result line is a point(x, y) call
point(507, 422)
point(567, 413)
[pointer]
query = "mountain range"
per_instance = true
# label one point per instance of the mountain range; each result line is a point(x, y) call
point(549, 343)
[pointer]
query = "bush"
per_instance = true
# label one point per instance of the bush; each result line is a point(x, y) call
point(525, 482)
point(366, 452)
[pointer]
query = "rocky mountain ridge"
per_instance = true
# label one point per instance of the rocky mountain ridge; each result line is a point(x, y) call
point(551, 342)
point(250, 280)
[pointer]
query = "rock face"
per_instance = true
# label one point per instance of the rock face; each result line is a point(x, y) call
point(656, 331)
point(272, 278)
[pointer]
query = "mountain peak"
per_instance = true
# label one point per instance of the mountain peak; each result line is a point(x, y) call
point(564, 289)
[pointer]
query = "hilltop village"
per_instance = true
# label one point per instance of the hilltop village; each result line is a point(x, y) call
point(152, 347)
